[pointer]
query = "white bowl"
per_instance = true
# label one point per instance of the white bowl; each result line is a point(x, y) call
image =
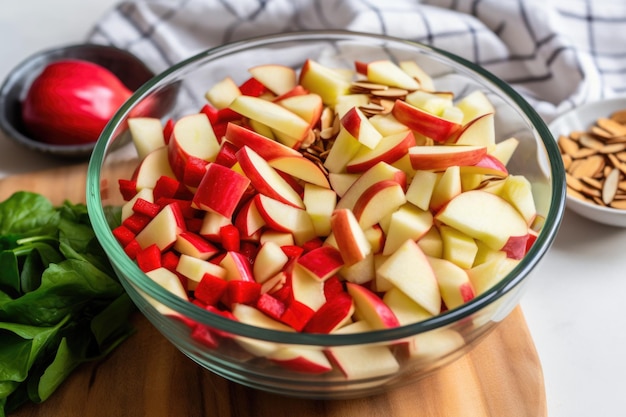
point(582, 118)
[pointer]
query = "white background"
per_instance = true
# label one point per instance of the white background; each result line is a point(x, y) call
point(574, 303)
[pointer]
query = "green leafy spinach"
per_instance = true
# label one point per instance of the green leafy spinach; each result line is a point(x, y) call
point(60, 302)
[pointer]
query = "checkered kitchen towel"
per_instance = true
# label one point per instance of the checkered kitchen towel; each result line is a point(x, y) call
point(557, 53)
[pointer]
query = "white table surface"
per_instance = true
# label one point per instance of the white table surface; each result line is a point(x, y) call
point(573, 304)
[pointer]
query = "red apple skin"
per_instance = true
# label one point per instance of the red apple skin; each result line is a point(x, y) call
point(487, 165)
point(220, 190)
point(377, 313)
point(517, 246)
point(365, 198)
point(346, 238)
point(331, 314)
point(321, 262)
point(267, 148)
point(301, 364)
point(459, 155)
point(390, 156)
point(423, 122)
point(252, 167)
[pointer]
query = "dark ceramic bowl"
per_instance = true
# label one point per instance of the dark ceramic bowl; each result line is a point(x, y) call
point(127, 67)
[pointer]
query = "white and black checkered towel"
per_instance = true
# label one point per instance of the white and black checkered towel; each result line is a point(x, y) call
point(557, 53)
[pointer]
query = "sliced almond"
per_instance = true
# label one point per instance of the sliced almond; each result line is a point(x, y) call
point(613, 148)
point(588, 141)
point(589, 167)
point(611, 126)
point(584, 153)
point(618, 204)
point(619, 116)
point(567, 145)
point(609, 188)
point(390, 92)
point(592, 182)
point(598, 131)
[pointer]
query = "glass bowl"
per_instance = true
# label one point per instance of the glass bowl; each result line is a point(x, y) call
point(243, 353)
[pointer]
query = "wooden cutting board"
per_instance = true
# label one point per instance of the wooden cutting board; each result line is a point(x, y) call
point(147, 376)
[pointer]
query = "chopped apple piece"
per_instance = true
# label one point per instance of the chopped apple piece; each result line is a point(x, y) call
point(408, 270)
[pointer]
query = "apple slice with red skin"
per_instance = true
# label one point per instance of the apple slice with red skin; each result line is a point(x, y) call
point(349, 237)
point(505, 227)
point(194, 269)
point(194, 245)
point(379, 200)
point(193, 136)
point(389, 150)
point(358, 125)
point(454, 284)
point(487, 165)
point(371, 308)
point(237, 267)
point(267, 148)
point(285, 218)
point(273, 115)
point(279, 79)
point(163, 229)
point(427, 124)
point(301, 168)
point(298, 90)
point(248, 220)
point(379, 172)
point(477, 132)
point(301, 359)
point(220, 190)
point(265, 179)
point(253, 87)
point(441, 157)
point(322, 262)
point(334, 314)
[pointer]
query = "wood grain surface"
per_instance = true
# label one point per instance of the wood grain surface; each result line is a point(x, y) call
point(147, 376)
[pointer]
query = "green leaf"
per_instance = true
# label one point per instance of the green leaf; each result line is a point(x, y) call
point(9, 272)
point(27, 214)
point(65, 289)
point(20, 346)
point(106, 325)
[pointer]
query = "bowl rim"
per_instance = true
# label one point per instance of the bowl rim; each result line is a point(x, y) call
point(36, 62)
point(515, 277)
